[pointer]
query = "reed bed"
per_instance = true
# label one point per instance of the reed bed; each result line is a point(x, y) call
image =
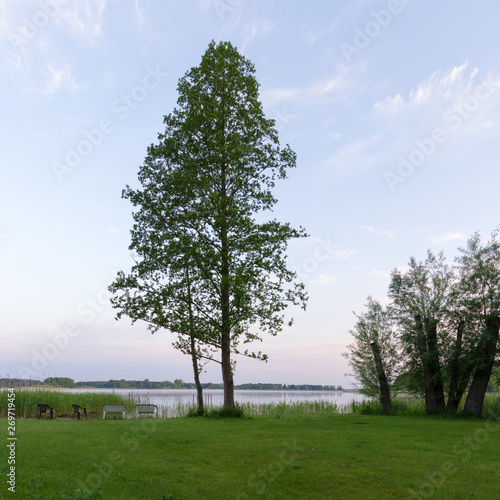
point(285, 408)
point(415, 407)
point(26, 402)
point(407, 406)
point(280, 409)
point(26, 405)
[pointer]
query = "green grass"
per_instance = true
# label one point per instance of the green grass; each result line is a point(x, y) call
point(316, 456)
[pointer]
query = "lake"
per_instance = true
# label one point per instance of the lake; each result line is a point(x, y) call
point(173, 397)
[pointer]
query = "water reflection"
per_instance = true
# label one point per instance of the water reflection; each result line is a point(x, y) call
point(174, 397)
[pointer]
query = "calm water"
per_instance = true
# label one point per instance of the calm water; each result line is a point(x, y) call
point(172, 397)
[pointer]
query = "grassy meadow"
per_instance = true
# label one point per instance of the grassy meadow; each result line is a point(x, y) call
point(313, 456)
point(310, 450)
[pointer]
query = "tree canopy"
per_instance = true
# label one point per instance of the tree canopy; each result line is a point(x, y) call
point(443, 324)
point(210, 266)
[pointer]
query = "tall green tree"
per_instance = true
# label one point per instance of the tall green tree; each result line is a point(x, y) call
point(479, 268)
point(421, 300)
point(203, 242)
point(373, 356)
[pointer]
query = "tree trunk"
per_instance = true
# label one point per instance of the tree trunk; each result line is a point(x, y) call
point(227, 375)
point(227, 372)
point(460, 372)
point(453, 399)
point(464, 380)
point(385, 394)
point(486, 350)
point(430, 397)
point(196, 370)
point(434, 363)
point(194, 356)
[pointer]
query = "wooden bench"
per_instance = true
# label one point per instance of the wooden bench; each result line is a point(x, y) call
point(114, 409)
point(146, 409)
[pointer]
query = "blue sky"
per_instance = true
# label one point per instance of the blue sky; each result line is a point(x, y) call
point(392, 107)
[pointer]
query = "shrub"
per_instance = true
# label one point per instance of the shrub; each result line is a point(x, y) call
point(225, 412)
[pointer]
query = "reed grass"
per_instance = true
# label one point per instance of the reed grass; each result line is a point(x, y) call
point(278, 409)
point(61, 401)
point(26, 402)
point(415, 407)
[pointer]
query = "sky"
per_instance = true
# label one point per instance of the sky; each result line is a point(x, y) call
point(392, 107)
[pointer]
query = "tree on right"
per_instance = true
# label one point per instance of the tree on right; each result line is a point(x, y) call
point(445, 323)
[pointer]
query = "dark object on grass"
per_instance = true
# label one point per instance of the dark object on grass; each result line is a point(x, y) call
point(43, 408)
point(78, 410)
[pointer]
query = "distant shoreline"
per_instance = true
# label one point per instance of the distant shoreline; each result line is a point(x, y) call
point(152, 385)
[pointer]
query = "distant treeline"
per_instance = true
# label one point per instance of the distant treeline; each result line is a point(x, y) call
point(292, 387)
point(179, 384)
point(19, 382)
point(69, 383)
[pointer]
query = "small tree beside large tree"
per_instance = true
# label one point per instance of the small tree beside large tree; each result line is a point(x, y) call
point(207, 269)
point(373, 355)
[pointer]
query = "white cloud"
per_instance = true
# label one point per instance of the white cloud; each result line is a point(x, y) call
point(83, 19)
point(255, 30)
point(323, 280)
point(354, 157)
point(311, 35)
point(140, 14)
point(449, 237)
point(341, 253)
point(453, 85)
point(327, 89)
point(60, 78)
point(372, 230)
point(457, 106)
point(390, 103)
point(31, 34)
